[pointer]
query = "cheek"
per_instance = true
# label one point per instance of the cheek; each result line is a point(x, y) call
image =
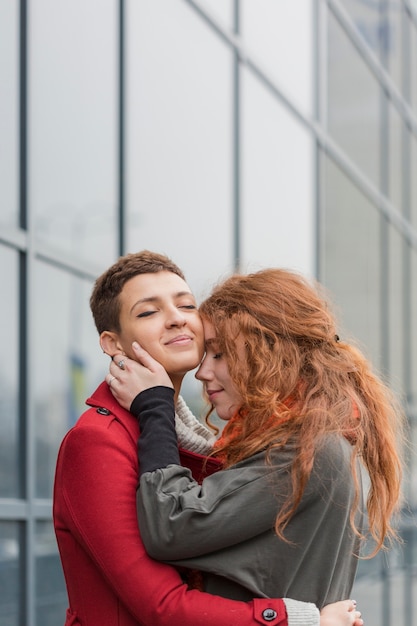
point(199, 338)
point(147, 339)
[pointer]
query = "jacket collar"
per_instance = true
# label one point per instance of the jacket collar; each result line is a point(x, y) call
point(103, 397)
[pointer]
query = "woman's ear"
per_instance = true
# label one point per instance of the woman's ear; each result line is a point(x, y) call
point(109, 342)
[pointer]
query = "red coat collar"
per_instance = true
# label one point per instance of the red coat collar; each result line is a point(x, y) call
point(199, 465)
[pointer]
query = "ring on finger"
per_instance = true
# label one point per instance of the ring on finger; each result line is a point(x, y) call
point(111, 380)
point(121, 364)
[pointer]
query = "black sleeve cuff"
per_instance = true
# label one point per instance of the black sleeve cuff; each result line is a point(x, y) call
point(157, 445)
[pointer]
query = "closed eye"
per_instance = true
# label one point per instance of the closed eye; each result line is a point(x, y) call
point(146, 313)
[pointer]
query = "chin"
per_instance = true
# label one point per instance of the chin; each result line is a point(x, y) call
point(180, 369)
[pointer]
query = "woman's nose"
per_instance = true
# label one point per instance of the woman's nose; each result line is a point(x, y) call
point(176, 318)
point(203, 371)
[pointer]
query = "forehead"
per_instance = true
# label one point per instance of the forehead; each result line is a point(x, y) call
point(158, 285)
point(209, 331)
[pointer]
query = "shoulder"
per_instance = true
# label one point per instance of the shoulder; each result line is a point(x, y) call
point(98, 426)
point(333, 450)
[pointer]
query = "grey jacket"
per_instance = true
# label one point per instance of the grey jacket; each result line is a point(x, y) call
point(225, 527)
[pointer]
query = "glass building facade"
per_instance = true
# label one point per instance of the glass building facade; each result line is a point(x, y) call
point(228, 134)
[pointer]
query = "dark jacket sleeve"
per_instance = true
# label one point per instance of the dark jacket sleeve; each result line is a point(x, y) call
point(157, 446)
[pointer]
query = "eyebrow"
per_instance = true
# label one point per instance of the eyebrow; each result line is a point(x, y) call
point(211, 341)
point(179, 294)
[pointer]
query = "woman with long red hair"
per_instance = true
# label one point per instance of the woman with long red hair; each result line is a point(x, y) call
point(310, 454)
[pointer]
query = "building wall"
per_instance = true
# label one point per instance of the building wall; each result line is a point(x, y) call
point(226, 134)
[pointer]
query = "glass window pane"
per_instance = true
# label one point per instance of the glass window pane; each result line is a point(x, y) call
point(413, 177)
point(223, 11)
point(351, 265)
point(179, 183)
point(10, 466)
point(9, 129)
point(68, 363)
point(394, 151)
point(10, 579)
point(365, 15)
point(73, 145)
point(277, 211)
point(391, 38)
point(380, 24)
point(395, 302)
point(353, 107)
point(413, 65)
point(51, 595)
point(413, 375)
point(279, 34)
point(380, 585)
point(411, 493)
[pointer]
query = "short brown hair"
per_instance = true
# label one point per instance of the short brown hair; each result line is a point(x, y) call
point(104, 300)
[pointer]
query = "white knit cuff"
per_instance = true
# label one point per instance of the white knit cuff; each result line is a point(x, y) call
point(302, 613)
point(192, 434)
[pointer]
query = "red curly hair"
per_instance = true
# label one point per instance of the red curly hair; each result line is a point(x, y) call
point(298, 383)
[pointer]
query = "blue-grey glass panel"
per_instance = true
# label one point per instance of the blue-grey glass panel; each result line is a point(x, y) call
point(277, 222)
point(413, 179)
point(179, 144)
point(222, 10)
point(67, 363)
point(365, 16)
point(413, 63)
point(351, 259)
point(51, 596)
point(353, 103)
point(395, 156)
point(391, 39)
point(10, 579)
point(280, 36)
point(380, 587)
point(9, 397)
point(411, 492)
point(9, 123)
point(413, 339)
point(73, 126)
point(395, 302)
point(380, 24)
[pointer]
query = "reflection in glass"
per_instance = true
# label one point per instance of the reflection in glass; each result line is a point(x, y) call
point(10, 581)
point(179, 183)
point(350, 259)
point(51, 595)
point(9, 128)
point(277, 185)
point(73, 149)
point(9, 409)
point(354, 103)
point(67, 363)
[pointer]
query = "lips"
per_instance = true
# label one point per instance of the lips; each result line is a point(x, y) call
point(179, 339)
point(212, 393)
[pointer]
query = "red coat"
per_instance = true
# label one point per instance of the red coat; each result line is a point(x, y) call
point(111, 581)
